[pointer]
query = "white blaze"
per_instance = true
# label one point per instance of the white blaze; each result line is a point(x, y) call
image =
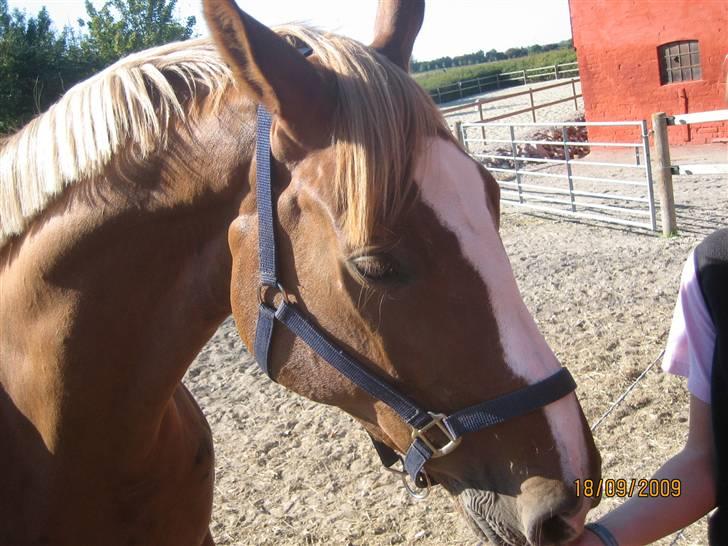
point(452, 186)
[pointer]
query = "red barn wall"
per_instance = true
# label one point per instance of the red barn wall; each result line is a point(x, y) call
point(617, 49)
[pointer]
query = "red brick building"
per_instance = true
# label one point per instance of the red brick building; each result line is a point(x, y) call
point(637, 57)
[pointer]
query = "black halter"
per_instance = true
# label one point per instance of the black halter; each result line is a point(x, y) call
point(423, 447)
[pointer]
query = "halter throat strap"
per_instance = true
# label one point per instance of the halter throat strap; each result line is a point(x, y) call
point(423, 447)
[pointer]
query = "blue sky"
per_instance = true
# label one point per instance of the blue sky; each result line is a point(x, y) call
point(451, 27)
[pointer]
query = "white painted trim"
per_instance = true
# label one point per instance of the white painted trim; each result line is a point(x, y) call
point(698, 117)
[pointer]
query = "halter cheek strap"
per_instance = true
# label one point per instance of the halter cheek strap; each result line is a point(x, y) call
point(423, 446)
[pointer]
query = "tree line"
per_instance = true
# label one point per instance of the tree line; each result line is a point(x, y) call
point(485, 57)
point(39, 63)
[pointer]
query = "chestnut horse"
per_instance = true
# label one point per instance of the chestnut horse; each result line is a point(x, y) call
point(128, 232)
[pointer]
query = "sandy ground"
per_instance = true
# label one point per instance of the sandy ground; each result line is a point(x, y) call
point(293, 472)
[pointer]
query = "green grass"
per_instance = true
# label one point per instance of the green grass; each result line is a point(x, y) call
point(441, 78)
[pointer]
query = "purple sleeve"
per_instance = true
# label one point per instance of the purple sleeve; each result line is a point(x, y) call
point(691, 343)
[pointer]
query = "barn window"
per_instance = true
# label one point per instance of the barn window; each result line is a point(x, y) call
point(679, 62)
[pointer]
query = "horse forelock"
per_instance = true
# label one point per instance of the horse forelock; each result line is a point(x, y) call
point(382, 121)
point(127, 108)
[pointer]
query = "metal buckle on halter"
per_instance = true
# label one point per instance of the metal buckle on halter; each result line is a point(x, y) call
point(277, 289)
point(437, 421)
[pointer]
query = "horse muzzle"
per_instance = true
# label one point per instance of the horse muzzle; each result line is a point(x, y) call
point(546, 513)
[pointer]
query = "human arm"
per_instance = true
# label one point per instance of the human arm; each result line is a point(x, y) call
point(642, 520)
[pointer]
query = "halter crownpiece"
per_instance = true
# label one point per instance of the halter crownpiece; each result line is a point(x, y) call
point(423, 446)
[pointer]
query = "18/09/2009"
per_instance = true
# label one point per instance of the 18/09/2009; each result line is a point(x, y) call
point(622, 487)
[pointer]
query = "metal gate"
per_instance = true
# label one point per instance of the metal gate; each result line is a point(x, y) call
point(538, 167)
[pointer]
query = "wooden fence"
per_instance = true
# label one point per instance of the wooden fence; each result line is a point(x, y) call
point(478, 104)
point(465, 88)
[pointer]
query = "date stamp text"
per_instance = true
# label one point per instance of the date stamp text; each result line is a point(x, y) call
point(639, 487)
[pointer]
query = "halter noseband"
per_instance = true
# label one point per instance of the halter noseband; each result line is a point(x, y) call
point(423, 447)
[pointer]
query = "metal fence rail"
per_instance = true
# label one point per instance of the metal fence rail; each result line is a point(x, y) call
point(694, 118)
point(464, 88)
point(566, 185)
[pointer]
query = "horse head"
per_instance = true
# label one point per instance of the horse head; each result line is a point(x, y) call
point(387, 239)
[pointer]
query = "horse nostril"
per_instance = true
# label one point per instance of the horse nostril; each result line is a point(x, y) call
point(550, 512)
point(552, 530)
point(556, 530)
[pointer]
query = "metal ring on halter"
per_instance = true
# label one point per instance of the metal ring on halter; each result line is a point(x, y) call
point(263, 288)
point(417, 492)
point(414, 491)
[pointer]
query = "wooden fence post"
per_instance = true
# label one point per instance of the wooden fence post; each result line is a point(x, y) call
point(664, 175)
point(573, 92)
point(482, 129)
point(459, 134)
point(533, 109)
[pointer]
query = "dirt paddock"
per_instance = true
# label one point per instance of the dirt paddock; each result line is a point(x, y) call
point(293, 472)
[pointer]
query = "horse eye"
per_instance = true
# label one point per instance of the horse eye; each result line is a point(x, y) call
point(375, 267)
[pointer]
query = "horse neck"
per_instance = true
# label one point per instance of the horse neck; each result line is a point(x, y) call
point(110, 294)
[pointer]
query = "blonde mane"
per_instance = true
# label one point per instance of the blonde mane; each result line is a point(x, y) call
point(130, 101)
point(382, 120)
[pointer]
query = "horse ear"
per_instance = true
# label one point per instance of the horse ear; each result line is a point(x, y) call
point(272, 72)
point(396, 27)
